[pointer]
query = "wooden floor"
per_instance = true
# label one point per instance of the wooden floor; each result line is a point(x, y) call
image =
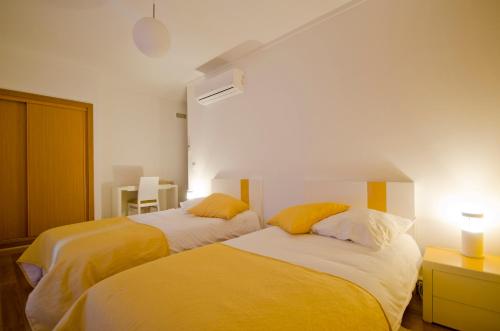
point(14, 291)
point(412, 318)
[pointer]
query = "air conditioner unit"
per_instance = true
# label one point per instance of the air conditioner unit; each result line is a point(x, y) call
point(220, 87)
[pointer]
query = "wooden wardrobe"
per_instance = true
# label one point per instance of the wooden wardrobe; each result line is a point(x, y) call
point(46, 165)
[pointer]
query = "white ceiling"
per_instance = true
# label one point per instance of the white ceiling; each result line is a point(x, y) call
point(97, 33)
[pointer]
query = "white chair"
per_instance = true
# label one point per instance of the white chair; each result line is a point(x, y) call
point(147, 195)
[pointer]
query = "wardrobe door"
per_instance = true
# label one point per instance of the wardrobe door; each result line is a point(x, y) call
point(12, 170)
point(57, 169)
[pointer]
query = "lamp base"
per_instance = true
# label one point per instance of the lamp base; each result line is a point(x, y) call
point(472, 244)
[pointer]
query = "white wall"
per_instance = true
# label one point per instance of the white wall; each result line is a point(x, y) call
point(389, 90)
point(130, 128)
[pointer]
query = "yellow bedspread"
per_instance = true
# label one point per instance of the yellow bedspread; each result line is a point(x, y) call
point(218, 287)
point(72, 258)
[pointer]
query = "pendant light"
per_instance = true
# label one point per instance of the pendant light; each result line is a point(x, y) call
point(151, 37)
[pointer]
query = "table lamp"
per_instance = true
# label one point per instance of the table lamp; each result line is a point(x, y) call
point(473, 235)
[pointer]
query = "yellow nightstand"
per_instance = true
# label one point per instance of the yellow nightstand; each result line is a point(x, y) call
point(461, 292)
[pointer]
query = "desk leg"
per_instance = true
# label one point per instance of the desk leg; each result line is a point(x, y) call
point(122, 204)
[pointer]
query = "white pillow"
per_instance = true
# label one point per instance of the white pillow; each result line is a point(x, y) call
point(185, 205)
point(366, 227)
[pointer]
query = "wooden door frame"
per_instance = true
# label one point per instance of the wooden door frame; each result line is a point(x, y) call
point(76, 105)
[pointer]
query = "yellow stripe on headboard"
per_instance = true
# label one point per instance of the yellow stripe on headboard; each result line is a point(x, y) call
point(245, 193)
point(377, 196)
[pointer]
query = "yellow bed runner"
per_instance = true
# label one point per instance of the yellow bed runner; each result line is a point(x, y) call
point(74, 257)
point(218, 287)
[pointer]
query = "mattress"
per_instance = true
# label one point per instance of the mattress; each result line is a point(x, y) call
point(221, 288)
point(389, 274)
point(186, 231)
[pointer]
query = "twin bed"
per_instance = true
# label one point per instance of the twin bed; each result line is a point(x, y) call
point(64, 262)
point(265, 280)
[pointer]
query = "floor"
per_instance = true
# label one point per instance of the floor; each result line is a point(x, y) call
point(14, 291)
point(412, 318)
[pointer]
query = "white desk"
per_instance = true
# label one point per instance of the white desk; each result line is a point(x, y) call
point(122, 194)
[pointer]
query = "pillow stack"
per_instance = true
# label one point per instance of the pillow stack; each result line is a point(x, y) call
point(366, 227)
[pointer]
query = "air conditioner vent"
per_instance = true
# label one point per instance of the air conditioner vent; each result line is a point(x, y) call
point(220, 87)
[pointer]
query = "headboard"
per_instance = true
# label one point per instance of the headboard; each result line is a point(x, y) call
point(396, 198)
point(248, 190)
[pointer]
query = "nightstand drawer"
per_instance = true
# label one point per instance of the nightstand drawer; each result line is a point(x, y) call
point(469, 291)
point(464, 317)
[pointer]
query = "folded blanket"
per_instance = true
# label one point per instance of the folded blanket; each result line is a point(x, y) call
point(218, 287)
point(64, 262)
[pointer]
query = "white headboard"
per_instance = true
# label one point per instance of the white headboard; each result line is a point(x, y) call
point(248, 190)
point(397, 198)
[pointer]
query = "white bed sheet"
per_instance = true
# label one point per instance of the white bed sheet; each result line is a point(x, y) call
point(389, 274)
point(186, 231)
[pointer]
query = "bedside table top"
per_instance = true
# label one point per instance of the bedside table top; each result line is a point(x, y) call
point(453, 258)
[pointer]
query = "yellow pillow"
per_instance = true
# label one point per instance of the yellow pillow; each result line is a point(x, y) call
point(300, 219)
point(220, 206)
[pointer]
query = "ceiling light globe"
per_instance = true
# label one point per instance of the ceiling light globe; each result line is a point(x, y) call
point(151, 37)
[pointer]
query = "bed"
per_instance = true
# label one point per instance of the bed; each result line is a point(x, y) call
point(266, 280)
point(64, 262)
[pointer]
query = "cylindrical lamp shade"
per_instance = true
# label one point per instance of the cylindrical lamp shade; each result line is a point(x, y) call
point(472, 244)
point(151, 37)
